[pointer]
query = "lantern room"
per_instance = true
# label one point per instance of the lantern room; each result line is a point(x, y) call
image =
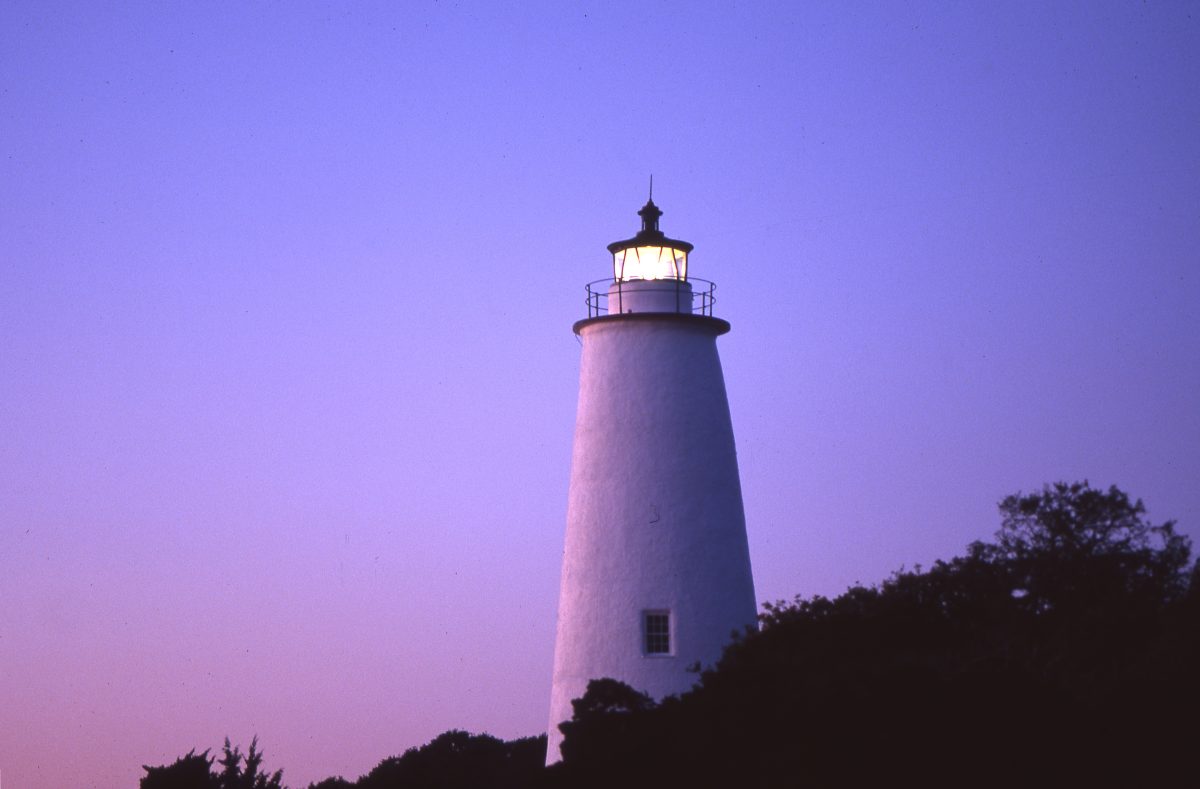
point(649, 254)
point(650, 275)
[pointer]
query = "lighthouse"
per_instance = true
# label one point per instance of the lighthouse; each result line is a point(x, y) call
point(656, 568)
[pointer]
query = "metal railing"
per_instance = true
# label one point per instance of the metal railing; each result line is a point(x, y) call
point(699, 301)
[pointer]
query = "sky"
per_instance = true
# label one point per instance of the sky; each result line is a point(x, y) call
point(287, 376)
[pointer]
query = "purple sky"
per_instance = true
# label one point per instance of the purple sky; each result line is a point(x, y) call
point(287, 380)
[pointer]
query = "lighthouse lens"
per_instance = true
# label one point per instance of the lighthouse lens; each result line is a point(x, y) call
point(649, 263)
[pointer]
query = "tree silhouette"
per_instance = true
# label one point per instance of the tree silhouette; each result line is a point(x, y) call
point(1072, 546)
point(607, 727)
point(459, 760)
point(242, 772)
point(194, 771)
point(191, 771)
point(1065, 650)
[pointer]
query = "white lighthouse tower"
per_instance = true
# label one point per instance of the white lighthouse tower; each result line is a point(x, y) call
point(656, 569)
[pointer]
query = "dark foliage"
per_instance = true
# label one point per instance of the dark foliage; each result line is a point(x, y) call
point(187, 772)
point(195, 771)
point(242, 772)
point(1065, 652)
point(458, 760)
point(605, 725)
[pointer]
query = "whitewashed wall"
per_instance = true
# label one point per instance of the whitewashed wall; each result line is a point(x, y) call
point(654, 518)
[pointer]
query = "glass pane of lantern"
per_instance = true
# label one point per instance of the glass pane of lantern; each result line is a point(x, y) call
point(649, 263)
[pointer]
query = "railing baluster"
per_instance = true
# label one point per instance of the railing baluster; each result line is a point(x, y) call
point(599, 303)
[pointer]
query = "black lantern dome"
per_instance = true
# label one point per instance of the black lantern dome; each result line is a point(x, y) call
point(649, 254)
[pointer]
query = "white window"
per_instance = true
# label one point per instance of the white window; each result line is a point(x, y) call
point(656, 632)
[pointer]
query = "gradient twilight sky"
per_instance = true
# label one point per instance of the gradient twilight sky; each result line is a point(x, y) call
point(287, 380)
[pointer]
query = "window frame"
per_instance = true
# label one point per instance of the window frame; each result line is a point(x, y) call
point(656, 633)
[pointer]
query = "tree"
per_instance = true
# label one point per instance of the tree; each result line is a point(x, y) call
point(194, 771)
point(1066, 649)
point(612, 734)
point(1074, 545)
point(460, 760)
point(243, 772)
point(191, 771)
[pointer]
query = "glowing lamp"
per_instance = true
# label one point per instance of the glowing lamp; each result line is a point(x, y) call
point(649, 254)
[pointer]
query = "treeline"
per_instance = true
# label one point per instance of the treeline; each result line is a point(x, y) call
point(1064, 651)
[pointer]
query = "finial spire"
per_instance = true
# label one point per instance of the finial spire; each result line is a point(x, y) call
point(651, 187)
point(650, 214)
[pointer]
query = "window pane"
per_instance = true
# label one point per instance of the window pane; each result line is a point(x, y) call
point(658, 633)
